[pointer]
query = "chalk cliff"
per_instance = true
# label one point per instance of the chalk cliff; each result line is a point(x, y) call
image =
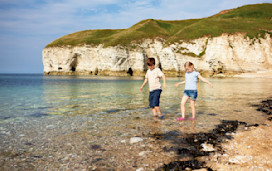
point(226, 54)
point(233, 41)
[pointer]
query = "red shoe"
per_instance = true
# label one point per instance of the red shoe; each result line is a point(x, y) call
point(180, 119)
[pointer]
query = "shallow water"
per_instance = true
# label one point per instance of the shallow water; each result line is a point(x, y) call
point(27, 96)
point(46, 110)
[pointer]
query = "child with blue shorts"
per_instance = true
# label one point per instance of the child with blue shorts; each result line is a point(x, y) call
point(191, 78)
point(153, 76)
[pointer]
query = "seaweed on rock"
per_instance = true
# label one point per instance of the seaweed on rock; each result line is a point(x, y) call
point(189, 148)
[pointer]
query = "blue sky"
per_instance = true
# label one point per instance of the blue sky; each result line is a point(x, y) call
point(27, 26)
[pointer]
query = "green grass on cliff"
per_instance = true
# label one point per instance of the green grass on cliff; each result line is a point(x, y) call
point(254, 20)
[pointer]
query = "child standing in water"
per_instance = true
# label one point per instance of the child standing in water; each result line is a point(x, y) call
point(153, 76)
point(191, 78)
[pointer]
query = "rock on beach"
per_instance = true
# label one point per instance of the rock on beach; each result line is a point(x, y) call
point(135, 140)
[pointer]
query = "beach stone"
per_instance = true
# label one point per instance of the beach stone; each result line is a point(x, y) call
point(123, 141)
point(207, 147)
point(65, 158)
point(140, 169)
point(5, 132)
point(239, 159)
point(135, 140)
point(142, 153)
point(50, 126)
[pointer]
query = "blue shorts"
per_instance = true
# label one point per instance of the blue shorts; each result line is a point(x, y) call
point(191, 93)
point(154, 98)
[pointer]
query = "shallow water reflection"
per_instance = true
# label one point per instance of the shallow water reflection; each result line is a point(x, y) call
point(97, 97)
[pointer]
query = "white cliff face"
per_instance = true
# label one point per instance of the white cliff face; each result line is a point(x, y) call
point(224, 54)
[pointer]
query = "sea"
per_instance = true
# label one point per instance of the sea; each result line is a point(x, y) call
point(82, 122)
point(27, 96)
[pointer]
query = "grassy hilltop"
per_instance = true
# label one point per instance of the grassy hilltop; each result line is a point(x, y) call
point(254, 20)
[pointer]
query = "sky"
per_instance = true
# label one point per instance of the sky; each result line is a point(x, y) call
point(27, 26)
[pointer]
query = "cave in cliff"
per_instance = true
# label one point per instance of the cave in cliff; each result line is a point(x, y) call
point(130, 71)
point(74, 62)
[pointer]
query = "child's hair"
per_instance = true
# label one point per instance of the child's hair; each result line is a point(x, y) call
point(150, 61)
point(189, 64)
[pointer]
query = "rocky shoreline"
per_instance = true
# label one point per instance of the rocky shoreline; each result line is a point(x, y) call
point(226, 74)
point(249, 149)
point(91, 147)
point(217, 149)
point(197, 146)
point(266, 107)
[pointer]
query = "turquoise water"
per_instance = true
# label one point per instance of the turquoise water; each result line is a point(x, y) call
point(30, 95)
point(26, 96)
point(61, 122)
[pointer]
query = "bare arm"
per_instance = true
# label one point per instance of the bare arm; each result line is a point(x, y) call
point(145, 81)
point(164, 81)
point(183, 82)
point(205, 81)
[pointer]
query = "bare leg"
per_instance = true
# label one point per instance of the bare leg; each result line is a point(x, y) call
point(192, 102)
point(158, 110)
point(154, 111)
point(182, 105)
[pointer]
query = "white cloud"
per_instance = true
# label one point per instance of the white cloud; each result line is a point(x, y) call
point(51, 17)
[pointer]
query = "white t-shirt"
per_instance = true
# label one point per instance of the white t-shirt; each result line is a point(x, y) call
point(154, 78)
point(191, 80)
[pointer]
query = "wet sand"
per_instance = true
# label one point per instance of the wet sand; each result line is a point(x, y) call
point(250, 149)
